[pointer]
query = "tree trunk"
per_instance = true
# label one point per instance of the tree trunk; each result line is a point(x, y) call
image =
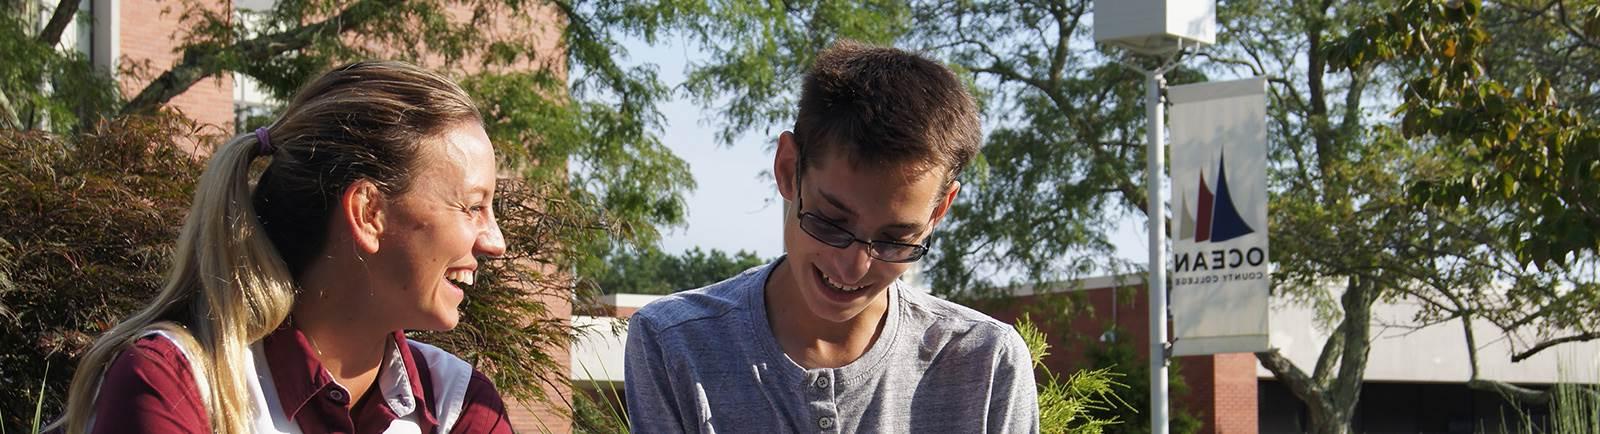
point(1331, 395)
point(1325, 419)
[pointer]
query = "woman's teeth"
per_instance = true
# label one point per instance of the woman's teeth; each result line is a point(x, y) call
point(461, 277)
point(836, 285)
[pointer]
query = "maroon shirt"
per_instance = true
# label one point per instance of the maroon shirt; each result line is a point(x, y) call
point(149, 388)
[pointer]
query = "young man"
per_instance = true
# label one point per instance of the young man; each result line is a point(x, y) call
point(827, 339)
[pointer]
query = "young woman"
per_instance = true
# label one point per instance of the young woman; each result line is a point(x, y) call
point(285, 307)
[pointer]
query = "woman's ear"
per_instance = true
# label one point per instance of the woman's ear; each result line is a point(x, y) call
point(783, 165)
point(362, 210)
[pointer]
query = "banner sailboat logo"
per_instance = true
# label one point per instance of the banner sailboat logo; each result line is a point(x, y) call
point(1217, 219)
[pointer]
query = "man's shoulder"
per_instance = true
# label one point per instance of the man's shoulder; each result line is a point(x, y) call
point(936, 316)
point(708, 303)
point(929, 308)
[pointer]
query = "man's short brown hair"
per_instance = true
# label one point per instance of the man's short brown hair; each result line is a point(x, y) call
point(885, 107)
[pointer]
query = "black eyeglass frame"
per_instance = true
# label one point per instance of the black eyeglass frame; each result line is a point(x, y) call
point(918, 251)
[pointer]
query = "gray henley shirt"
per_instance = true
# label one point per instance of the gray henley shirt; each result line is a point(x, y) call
point(705, 361)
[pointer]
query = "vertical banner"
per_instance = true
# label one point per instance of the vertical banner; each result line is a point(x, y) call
point(1220, 281)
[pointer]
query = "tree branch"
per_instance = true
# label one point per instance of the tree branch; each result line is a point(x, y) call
point(65, 11)
point(1516, 393)
point(1327, 360)
point(1302, 386)
point(1583, 337)
point(1472, 346)
point(8, 114)
point(201, 61)
point(1566, 22)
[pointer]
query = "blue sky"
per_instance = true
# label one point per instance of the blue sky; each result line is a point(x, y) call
point(735, 207)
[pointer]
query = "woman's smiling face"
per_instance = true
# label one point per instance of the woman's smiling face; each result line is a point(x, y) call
point(435, 231)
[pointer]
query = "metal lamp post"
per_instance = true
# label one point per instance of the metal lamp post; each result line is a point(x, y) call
point(1159, 28)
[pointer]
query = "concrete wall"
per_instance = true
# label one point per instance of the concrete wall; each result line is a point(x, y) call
point(1403, 351)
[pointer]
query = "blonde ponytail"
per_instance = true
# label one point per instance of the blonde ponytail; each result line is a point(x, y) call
point(227, 288)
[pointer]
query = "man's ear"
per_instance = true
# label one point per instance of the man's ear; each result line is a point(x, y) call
point(945, 202)
point(362, 211)
point(783, 166)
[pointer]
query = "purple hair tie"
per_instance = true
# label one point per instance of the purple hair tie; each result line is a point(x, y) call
point(264, 144)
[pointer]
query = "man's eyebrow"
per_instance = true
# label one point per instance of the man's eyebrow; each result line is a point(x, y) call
point(908, 226)
point(836, 203)
point(905, 226)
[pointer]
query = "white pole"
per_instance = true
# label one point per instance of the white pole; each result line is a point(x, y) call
point(1158, 264)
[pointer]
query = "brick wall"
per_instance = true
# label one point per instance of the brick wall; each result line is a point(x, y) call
point(1222, 388)
point(1222, 392)
point(1235, 395)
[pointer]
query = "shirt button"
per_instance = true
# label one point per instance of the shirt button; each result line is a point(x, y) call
point(336, 395)
point(822, 383)
point(825, 423)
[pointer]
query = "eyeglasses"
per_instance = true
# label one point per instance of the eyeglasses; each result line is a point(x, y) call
point(832, 234)
point(887, 251)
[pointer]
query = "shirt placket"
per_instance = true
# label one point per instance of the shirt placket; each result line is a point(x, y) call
point(331, 414)
point(819, 392)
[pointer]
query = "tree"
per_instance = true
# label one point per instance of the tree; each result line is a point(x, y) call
point(38, 83)
point(649, 270)
point(1497, 96)
point(1345, 183)
point(1519, 118)
point(93, 183)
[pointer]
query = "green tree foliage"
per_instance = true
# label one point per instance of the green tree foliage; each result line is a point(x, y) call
point(94, 187)
point(1346, 237)
point(1495, 97)
point(1505, 90)
point(1119, 358)
point(651, 271)
point(85, 230)
point(1076, 405)
point(1343, 181)
point(41, 87)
